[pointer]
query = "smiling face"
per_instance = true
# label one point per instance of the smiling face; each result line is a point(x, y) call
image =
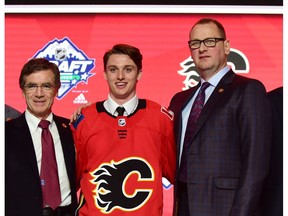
point(209, 60)
point(39, 100)
point(122, 76)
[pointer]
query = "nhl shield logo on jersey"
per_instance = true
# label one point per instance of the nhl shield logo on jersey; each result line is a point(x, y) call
point(73, 63)
point(121, 122)
point(122, 185)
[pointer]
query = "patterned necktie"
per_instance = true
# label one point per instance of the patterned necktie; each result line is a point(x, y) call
point(49, 173)
point(120, 111)
point(192, 120)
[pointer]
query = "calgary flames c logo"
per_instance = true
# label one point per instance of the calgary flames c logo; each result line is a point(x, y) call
point(122, 185)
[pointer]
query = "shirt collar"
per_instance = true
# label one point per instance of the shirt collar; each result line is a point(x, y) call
point(214, 80)
point(33, 121)
point(130, 106)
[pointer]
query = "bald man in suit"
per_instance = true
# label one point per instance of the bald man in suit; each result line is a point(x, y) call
point(227, 155)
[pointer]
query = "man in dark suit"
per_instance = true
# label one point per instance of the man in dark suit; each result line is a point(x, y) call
point(227, 155)
point(39, 82)
point(271, 203)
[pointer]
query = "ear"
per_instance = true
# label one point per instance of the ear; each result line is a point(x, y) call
point(105, 75)
point(139, 75)
point(56, 92)
point(227, 47)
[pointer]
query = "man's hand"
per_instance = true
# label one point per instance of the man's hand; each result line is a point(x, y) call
point(77, 112)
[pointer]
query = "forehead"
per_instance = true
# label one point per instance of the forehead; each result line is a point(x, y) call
point(40, 76)
point(119, 60)
point(202, 31)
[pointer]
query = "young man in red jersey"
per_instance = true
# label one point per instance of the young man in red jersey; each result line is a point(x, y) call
point(123, 155)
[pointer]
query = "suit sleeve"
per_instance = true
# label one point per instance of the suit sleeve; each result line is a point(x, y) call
point(76, 128)
point(169, 149)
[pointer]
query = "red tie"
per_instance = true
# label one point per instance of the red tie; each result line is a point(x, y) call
point(49, 173)
point(193, 116)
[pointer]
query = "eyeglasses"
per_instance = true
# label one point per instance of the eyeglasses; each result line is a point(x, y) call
point(44, 87)
point(208, 42)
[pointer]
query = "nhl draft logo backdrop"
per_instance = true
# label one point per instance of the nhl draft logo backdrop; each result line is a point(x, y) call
point(73, 63)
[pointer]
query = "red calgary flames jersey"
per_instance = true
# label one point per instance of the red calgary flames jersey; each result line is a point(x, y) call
point(121, 160)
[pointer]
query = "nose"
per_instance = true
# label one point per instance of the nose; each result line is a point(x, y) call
point(39, 90)
point(202, 46)
point(121, 75)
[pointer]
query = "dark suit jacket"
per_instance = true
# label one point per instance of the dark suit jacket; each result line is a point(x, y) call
point(228, 158)
point(23, 195)
point(272, 197)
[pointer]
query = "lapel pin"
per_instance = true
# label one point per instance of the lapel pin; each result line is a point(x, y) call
point(64, 125)
point(221, 90)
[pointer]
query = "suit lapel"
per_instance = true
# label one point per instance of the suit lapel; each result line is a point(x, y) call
point(184, 99)
point(187, 99)
point(64, 133)
point(218, 92)
point(26, 144)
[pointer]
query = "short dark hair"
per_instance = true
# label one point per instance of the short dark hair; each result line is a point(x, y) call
point(38, 64)
point(131, 51)
point(217, 23)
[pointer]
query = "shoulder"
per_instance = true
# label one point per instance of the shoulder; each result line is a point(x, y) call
point(18, 122)
point(248, 84)
point(160, 110)
point(17, 126)
point(61, 122)
point(184, 94)
point(87, 113)
point(180, 99)
point(247, 80)
point(239, 80)
point(278, 92)
point(60, 119)
point(275, 97)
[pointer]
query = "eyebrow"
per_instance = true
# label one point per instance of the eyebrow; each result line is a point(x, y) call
point(125, 66)
point(33, 83)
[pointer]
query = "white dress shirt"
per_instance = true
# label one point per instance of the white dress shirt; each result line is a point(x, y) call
point(214, 80)
point(130, 106)
point(36, 131)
